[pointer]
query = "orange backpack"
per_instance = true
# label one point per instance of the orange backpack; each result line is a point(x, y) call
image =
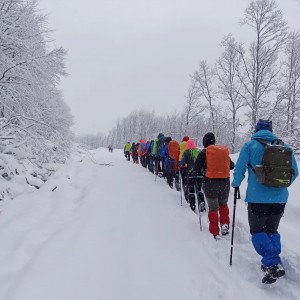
point(217, 162)
point(174, 149)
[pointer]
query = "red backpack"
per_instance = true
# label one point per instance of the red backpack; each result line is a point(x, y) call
point(217, 162)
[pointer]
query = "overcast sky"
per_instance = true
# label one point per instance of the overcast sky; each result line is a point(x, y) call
point(130, 54)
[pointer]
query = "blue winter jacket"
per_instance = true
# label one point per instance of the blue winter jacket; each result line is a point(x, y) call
point(165, 154)
point(252, 152)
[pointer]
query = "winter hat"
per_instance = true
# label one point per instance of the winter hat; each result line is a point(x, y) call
point(168, 140)
point(263, 124)
point(185, 138)
point(160, 135)
point(190, 144)
point(209, 139)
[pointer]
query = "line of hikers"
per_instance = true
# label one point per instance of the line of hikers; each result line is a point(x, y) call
point(271, 167)
point(206, 170)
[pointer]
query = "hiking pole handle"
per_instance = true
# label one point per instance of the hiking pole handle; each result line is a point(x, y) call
point(237, 194)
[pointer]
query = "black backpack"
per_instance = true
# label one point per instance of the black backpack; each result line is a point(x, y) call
point(275, 169)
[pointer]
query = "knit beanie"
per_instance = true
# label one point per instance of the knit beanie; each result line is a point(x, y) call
point(190, 144)
point(263, 125)
point(209, 139)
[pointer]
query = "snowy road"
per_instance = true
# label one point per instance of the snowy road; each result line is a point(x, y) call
point(115, 233)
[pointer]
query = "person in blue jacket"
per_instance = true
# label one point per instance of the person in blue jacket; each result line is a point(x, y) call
point(265, 204)
point(168, 162)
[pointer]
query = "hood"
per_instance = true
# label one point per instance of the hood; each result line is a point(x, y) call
point(168, 139)
point(160, 135)
point(185, 138)
point(264, 135)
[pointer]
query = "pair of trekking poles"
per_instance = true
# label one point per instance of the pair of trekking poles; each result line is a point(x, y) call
point(197, 195)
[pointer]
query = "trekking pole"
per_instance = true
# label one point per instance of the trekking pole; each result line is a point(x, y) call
point(236, 196)
point(181, 186)
point(199, 212)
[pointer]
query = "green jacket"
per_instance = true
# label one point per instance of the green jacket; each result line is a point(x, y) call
point(154, 151)
point(127, 147)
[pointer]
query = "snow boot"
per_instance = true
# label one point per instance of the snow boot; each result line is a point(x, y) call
point(272, 273)
point(225, 229)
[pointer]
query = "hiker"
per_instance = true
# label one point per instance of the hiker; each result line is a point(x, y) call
point(127, 149)
point(183, 169)
point(160, 144)
point(174, 152)
point(142, 151)
point(155, 154)
point(193, 178)
point(266, 203)
point(168, 162)
point(150, 157)
point(215, 162)
point(134, 153)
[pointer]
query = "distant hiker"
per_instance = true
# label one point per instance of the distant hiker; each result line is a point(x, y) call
point(183, 169)
point(110, 148)
point(266, 195)
point(158, 144)
point(150, 158)
point(168, 162)
point(134, 153)
point(127, 149)
point(142, 151)
point(154, 156)
point(193, 178)
point(216, 163)
point(174, 153)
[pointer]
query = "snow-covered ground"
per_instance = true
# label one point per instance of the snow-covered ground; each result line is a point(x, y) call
point(112, 232)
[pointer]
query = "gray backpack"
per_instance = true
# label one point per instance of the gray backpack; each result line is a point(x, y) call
point(275, 169)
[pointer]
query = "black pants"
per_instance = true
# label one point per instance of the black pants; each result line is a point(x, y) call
point(127, 155)
point(191, 182)
point(170, 173)
point(157, 165)
point(265, 217)
point(183, 172)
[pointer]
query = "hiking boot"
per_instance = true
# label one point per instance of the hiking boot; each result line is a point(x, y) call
point(263, 268)
point(272, 273)
point(202, 207)
point(171, 185)
point(193, 207)
point(217, 237)
point(276, 271)
point(268, 279)
point(225, 229)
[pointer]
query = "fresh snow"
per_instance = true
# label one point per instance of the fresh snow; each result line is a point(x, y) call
point(112, 232)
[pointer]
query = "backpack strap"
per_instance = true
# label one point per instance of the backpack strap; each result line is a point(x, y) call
point(266, 144)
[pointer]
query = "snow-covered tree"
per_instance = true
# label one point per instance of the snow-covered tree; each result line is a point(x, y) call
point(230, 87)
point(33, 113)
point(260, 68)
